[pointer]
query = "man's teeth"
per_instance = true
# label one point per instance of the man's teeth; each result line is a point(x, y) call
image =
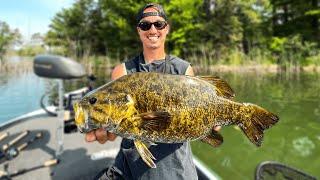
point(153, 38)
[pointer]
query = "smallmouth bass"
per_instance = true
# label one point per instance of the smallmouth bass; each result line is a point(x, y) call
point(155, 107)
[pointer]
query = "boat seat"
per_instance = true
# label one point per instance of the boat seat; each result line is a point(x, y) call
point(58, 67)
point(275, 170)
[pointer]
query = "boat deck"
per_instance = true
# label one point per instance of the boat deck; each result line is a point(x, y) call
point(76, 161)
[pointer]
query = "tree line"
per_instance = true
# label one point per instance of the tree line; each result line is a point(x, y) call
point(275, 30)
point(8, 37)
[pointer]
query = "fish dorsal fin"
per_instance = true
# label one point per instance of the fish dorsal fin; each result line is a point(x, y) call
point(222, 87)
point(155, 121)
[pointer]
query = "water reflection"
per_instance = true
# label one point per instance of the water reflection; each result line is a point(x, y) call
point(304, 146)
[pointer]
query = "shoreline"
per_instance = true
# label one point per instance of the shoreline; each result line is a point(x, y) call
point(256, 69)
point(27, 65)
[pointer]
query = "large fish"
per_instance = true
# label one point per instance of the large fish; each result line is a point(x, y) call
point(155, 107)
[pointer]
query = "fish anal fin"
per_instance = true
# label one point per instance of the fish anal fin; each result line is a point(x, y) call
point(222, 87)
point(155, 121)
point(145, 154)
point(214, 139)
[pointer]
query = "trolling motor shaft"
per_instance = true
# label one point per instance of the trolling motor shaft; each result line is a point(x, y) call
point(60, 68)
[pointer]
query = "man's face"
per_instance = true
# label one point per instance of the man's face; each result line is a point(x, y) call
point(153, 38)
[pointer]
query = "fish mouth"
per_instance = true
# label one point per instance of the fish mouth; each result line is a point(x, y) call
point(87, 126)
point(82, 119)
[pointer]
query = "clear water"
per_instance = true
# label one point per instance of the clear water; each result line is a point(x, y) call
point(19, 94)
point(294, 141)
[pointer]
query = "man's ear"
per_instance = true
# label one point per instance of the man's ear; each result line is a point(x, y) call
point(168, 29)
point(138, 30)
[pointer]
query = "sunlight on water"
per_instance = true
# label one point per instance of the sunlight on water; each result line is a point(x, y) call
point(304, 146)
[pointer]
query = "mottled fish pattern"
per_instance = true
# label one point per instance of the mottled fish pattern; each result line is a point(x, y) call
point(155, 107)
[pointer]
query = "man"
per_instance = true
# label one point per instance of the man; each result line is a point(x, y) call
point(174, 161)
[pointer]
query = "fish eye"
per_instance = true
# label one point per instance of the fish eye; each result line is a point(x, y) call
point(92, 100)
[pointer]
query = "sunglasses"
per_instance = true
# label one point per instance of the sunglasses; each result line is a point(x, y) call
point(146, 25)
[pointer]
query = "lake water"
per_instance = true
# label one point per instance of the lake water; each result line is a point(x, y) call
point(294, 141)
point(20, 93)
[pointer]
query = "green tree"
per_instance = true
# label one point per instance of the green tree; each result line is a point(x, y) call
point(71, 28)
point(7, 37)
point(293, 17)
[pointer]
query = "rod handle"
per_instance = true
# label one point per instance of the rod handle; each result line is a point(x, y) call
point(51, 162)
point(24, 145)
point(4, 135)
point(15, 140)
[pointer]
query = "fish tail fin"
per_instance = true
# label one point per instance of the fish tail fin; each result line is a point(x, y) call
point(255, 121)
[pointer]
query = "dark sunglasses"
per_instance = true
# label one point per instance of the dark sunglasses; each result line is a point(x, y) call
point(146, 25)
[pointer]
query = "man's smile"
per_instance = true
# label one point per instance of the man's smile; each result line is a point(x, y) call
point(153, 38)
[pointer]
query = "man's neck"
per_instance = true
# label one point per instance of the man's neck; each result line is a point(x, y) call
point(154, 54)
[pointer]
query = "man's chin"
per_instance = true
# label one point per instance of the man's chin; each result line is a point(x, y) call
point(153, 46)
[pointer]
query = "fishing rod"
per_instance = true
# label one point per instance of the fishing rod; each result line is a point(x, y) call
point(5, 147)
point(8, 175)
point(14, 152)
point(4, 135)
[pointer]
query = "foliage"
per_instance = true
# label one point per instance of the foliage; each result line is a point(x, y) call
point(7, 37)
point(297, 18)
point(229, 31)
point(293, 50)
point(29, 50)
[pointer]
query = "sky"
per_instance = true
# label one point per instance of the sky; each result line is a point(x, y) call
point(31, 16)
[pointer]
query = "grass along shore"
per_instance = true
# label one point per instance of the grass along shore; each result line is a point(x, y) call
point(255, 69)
point(98, 64)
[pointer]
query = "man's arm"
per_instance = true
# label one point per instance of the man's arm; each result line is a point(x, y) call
point(101, 135)
point(189, 71)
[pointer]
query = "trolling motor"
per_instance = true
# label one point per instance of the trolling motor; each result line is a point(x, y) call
point(60, 68)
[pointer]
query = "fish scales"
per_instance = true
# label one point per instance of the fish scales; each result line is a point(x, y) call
point(156, 92)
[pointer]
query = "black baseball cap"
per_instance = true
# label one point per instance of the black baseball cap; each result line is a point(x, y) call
point(158, 7)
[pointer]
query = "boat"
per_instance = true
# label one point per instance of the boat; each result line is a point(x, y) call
point(45, 144)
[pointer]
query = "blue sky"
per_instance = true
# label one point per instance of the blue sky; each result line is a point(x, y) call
point(31, 16)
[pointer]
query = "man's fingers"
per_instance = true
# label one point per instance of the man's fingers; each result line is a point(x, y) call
point(101, 135)
point(111, 136)
point(90, 136)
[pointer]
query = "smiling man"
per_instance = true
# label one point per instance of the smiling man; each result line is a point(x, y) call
point(174, 161)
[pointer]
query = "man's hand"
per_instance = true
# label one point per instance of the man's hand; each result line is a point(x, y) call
point(100, 135)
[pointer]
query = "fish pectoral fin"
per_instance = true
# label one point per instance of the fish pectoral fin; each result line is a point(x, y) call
point(214, 139)
point(222, 87)
point(155, 121)
point(145, 154)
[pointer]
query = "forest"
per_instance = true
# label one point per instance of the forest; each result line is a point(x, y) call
point(234, 32)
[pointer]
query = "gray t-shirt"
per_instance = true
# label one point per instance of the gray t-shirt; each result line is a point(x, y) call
point(174, 161)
